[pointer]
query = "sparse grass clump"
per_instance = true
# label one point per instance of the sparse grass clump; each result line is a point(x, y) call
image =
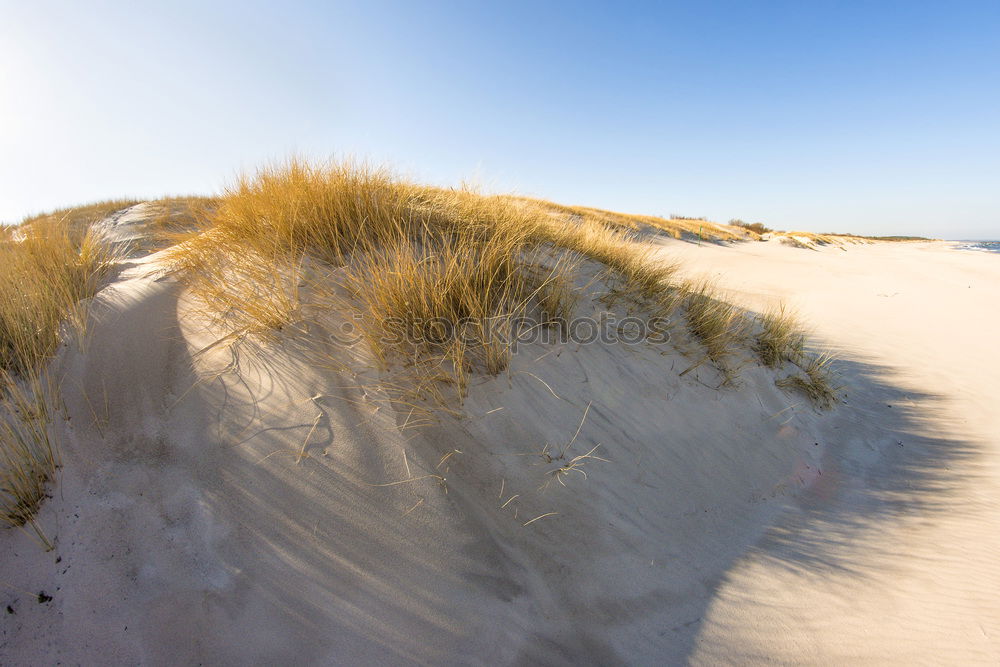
point(427, 302)
point(241, 284)
point(809, 240)
point(817, 381)
point(718, 324)
point(779, 339)
point(27, 456)
point(558, 297)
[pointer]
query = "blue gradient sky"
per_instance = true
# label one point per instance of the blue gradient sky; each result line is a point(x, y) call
point(880, 118)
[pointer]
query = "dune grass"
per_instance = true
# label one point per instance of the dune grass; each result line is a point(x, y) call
point(77, 219)
point(676, 225)
point(434, 273)
point(718, 324)
point(28, 458)
point(780, 337)
point(48, 265)
point(696, 228)
point(438, 278)
point(176, 216)
point(810, 240)
point(457, 302)
point(47, 268)
point(817, 380)
point(631, 265)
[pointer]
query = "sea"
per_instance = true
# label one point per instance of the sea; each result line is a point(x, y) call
point(981, 246)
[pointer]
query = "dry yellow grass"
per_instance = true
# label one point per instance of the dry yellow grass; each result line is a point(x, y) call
point(180, 215)
point(48, 266)
point(28, 457)
point(435, 274)
point(719, 325)
point(77, 219)
point(809, 240)
point(678, 227)
point(817, 380)
point(780, 337)
point(630, 264)
point(439, 277)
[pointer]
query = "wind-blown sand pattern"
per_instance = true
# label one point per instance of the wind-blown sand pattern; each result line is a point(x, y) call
point(228, 505)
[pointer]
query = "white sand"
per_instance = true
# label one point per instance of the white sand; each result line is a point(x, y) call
point(719, 530)
point(895, 557)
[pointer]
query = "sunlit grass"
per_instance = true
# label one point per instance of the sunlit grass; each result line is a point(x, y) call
point(28, 456)
point(438, 278)
point(77, 219)
point(175, 216)
point(48, 266)
point(780, 337)
point(817, 380)
point(440, 274)
point(675, 225)
point(718, 324)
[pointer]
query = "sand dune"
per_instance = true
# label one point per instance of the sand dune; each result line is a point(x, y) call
point(230, 505)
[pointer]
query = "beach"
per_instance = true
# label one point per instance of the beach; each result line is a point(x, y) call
point(896, 558)
point(499, 334)
point(593, 504)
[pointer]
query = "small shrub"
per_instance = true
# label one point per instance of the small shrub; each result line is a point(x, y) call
point(755, 227)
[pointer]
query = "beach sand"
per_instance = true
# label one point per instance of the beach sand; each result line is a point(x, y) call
point(234, 505)
point(895, 557)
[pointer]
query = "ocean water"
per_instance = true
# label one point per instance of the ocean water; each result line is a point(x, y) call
point(981, 246)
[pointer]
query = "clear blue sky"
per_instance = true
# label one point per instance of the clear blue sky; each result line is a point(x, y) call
point(872, 117)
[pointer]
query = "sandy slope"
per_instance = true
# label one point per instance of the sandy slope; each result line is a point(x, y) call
point(193, 525)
